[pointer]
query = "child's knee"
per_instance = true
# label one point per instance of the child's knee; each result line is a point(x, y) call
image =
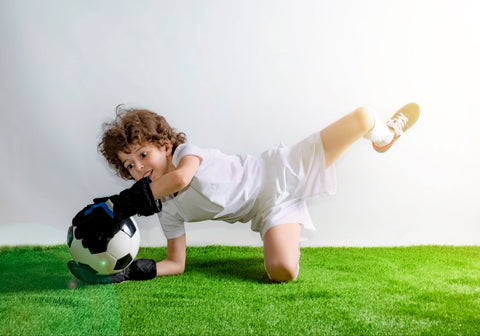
point(365, 118)
point(282, 271)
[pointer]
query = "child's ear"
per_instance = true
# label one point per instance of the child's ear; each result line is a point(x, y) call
point(168, 148)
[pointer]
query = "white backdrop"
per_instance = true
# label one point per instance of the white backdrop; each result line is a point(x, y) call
point(242, 76)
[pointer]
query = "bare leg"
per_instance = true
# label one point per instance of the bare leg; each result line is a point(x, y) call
point(281, 251)
point(281, 243)
point(340, 135)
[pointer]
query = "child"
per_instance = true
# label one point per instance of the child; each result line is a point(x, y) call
point(182, 182)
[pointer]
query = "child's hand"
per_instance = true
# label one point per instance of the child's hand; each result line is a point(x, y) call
point(137, 200)
point(87, 274)
point(95, 225)
point(139, 269)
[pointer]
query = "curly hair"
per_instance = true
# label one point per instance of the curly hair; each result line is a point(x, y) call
point(135, 126)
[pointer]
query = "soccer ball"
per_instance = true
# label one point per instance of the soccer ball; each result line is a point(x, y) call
point(118, 253)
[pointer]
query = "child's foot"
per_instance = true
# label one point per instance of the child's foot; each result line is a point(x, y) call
point(401, 121)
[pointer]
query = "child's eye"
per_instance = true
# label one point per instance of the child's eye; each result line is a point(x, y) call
point(144, 154)
point(130, 166)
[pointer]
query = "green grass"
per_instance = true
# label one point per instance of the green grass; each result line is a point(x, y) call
point(426, 290)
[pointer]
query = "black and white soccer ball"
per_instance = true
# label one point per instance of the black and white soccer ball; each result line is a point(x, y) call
point(118, 253)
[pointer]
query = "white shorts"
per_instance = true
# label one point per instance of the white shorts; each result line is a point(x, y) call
point(292, 176)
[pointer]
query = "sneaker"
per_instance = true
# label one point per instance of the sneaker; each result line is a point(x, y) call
point(401, 121)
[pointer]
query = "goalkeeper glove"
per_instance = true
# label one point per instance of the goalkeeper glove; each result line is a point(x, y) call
point(98, 222)
point(139, 269)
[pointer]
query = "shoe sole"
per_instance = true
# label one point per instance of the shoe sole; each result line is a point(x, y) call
point(412, 112)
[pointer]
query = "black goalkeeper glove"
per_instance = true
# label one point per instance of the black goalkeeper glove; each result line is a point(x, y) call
point(139, 269)
point(98, 222)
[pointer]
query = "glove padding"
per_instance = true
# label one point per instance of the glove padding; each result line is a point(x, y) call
point(98, 222)
point(95, 226)
point(137, 200)
point(139, 269)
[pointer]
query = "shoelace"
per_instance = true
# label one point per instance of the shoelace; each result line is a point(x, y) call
point(398, 123)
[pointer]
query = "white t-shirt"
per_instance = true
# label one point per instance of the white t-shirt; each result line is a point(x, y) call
point(225, 187)
point(268, 190)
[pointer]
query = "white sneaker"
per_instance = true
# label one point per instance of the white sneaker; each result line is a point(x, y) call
point(401, 121)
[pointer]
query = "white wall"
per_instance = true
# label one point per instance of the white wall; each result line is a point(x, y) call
point(243, 76)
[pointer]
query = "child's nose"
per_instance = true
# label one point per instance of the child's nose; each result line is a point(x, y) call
point(139, 167)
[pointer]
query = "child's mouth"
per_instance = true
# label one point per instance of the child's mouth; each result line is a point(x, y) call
point(149, 174)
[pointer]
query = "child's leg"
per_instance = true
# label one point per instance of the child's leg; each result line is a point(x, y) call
point(281, 243)
point(340, 135)
point(343, 133)
point(281, 249)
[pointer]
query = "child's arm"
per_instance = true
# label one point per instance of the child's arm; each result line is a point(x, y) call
point(175, 261)
point(177, 179)
point(104, 216)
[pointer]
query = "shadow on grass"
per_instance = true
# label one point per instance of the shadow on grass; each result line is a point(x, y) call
point(35, 269)
point(27, 269)
point(235, 268)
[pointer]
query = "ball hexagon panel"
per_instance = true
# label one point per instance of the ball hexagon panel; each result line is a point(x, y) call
point(102, 262)
point(123, 262)
point(120, 245)
point(70, 236)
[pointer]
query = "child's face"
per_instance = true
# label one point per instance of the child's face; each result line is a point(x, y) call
point(147, 160)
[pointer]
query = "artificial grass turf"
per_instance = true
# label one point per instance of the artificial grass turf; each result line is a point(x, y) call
point(425, 290)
